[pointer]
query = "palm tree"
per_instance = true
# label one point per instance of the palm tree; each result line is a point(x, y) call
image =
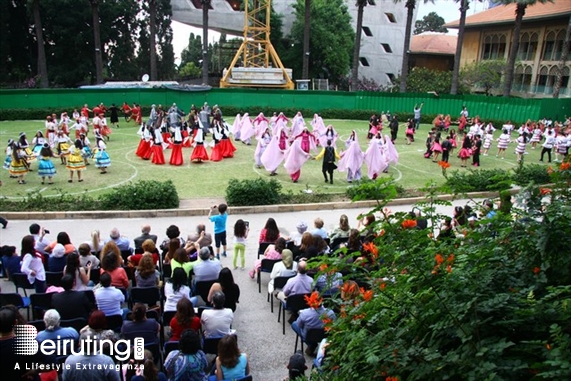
point(361, 4)
point(561, 65)
point(205, 63)
point(306, 35)
point(464, 6)
point(521, 6)
point(97, 41)
point(42, 65)
point(152, 37)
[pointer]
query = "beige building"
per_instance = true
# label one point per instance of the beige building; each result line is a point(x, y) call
point(488, 35)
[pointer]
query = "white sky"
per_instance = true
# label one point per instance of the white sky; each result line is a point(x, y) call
point(447, 9)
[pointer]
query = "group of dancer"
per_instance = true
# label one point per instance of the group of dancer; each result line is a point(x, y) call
point(56, 142)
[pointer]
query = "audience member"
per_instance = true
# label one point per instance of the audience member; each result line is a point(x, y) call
point(148, 372)
point(296, 237)
point(63, 239)
point(225, 283)
point(140, 326)
point(122, 242)
point(184, 319)
point(296, 367)
point(53, 330)
point(311, 318)
point(207, 268)
point(299, 284)
point(85, 257)
point(172, 233)
point(108, 298)
point(95, 243)
point(270, 232)
point(306, 242)
point(172, 246)
point(148, 246)
point(57, 259)
point(201, 236)
point(97, 324)
point(111, 264)
point(101, 367)
point(231, 363)
point(216, 322)
point(11, 261)
point(342, 231)
point(71, 304)
point(146, 275)
point(32, 264)
point(39, 234)
point(145, 235)
point(80, 274)
point(180, 260)
point(330, 282)
point(287, 267)
point(319, 230)
point(188, 362)
point(176, 288)
point(273, 251)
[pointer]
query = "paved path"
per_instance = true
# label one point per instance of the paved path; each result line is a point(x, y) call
point(259, 333)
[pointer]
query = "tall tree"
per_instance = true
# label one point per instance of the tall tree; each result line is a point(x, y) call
point(119, 33)
point(153, 37)
point(521, 6)
point(42, 64)
point(97, 41)
point(464, 6)
point(166, 65)
point(306, 39)
point(193, 52)
point(431, 22)
point(561, 65)
point(205, 6)
point(16, 39)
point(361, 4)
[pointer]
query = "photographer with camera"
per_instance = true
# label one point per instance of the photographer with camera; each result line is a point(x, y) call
point(39, 234)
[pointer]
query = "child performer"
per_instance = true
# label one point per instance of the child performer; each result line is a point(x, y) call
point(436, 149)
point(536, 136)
point(62, 144)
point(453, 140)
point(102, 159)
point(488, 137)
point(8, 159)
point(503, 142)
point(216, 152)
point(476, 148)
point(295, 157)
point(446, 148)
point(429, 141)
point(18, 166)
point(466, 150)
point(46, 168)
point(228, 148)
point(520, 148)
point(38, 143)
point(352, 158)
point(241, 231)
point(263, 143)
point(410, 131)
point(75, 161)
point(85, 148)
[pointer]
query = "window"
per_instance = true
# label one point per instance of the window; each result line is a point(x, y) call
point(391, 17)
point(548, 46)
point(367, 31)
point(494, 47)
point(527, 47)
point(363, 61)
point(387, 48)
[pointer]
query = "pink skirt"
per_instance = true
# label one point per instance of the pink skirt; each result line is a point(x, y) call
point(465, 153)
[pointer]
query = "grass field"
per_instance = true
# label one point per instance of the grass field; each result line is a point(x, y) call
point(210, 179)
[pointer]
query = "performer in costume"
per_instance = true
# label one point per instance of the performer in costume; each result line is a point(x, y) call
point(144, 143)
point(236, 127)
point(488, 137)
point(466, 150)
point(51, 131)
point(149, 135)
point(102, 159)
point(75, 115)
point(226, 144)
point(328, 134)
point(23, 143)
point(263, 143)
point(246, 129)
point(18, 166)
point(308, 141)
point(176, 153)
point(199, 153)
point(261, 124)
point(46, 168)
point(38, 142)
point(297, 124)
point(105, 130)
point(126, 111)
point(86, 152)
point(352, 158)
point(329, 154)
point(318, 127)
point(520, 148)
point(216, 152)
point(273, 155)
point(157, 148)
point(114, 115)
point(75, 161)
point(63, 143)
point(8, 159)
point(295, 157)
point(375, 159)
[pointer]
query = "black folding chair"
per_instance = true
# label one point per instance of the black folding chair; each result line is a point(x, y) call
point(314, 335)
point(148, 295)
point(169, 347)
point(39, 324)
point(266, 267)
point(211, 345)
point(294, 304)
point(21, 281)
point(16, 300)
point(77, 323)
point(279, 283)
point(262, 248)
point(167, 317)
point(114, 322)
point(202, 289)
point(334, 245)
point(40, 304)
point(53, 278)
point(94, 276)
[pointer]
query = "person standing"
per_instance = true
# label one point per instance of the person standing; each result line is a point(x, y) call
point(75, 162)
point(476, 147)
point(548, 145)
point(32, 264)
point(219, 227)
point(46, 168)
point(329, 154)
point(114, 118)
point(417, 110)
point(394, 126)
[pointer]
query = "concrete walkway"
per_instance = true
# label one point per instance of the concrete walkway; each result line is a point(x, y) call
point(259, 333)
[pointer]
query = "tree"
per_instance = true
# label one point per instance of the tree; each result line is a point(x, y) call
point(361, 4)
point(485, 74)
point(166, 64)
point(332, 40)
point(97, 41)
point(189, 70)
point(120, 33)
point(42, 64)
point(193, 52)
point(205, 6)
point(561, 65)
point(153, 38)
point(464, 6)
point(423, 80)
point(306, 39)
point(432, 22)
point(16, 42)
point(521, 6)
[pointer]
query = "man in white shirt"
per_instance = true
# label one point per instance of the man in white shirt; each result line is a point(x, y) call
point(39, 234)
point(108, 298)
point(207, 268)
point(216, 322)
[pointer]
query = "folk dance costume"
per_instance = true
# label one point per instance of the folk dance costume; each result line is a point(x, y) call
point(186, 137)
point(144, 148)
point(561, 147)
point(329, 134)
point(295, 157)
point(246, 129)
point(24, 145)
point(75, 161)
point(318, 127)
point(297, 124)
point(157, 148)
point(199, 153)
point(176, 153)
point(536, 136)
point(64, 123)
point(375, 159)
point(263, 143)
point(226, 144)
point(105, 130)
point(62, 145)
point(102, 159)
point(236, 127)
point(503, 141)
point(8, 158)
point(307, 140)
point(261, 124)
point(38, 142)
point(86, 148)
point(466, 150)
point(216, 152)
point(51, 132)
point(488, 137)
point(352, 159)
point(274, 154)
point(520, 148)
point(390, 151)
point(46, 168)
point(18, 166)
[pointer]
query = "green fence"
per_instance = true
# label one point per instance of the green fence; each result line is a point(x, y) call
point(498, 108)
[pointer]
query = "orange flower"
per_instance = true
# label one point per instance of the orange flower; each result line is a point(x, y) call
point(549, 170)
point(371, 248)
point(439, 259)
point(564, 166)
point(408, 224)
point(314, 300)
point(544, 191)
point(367, 294)
point(383, 286)
point(323, 267)
point(392, 378)
point(359, 316)
point(548, 346)
point(381, 233)
point(349, 288)
point(536, 270)
point(449, 268)
point(444, 164)
point(450, 258)
point(327, 321)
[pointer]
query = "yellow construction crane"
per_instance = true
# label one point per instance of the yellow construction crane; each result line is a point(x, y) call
point(261, 65)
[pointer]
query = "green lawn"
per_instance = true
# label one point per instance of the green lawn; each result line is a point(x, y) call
point(210, 179)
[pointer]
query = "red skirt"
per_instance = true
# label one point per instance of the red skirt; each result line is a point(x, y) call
point(199, 153)
point(167, 139)
point(106, 131)
point(185, 139)
point(216, 153)
point(176, 155)
point(157, 154)
point(465, 153)
point(227, 148)
point(147, 153)
point(143, 147)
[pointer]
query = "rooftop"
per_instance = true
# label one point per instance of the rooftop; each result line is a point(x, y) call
point(433, 43)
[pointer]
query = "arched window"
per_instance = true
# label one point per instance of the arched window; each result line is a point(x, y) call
point(548, 46)
point(558, 49)
point(494, 47)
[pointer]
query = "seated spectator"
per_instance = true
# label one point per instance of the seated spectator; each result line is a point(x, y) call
point(172, 233)
point(39, 234)
point(173, 246)
point(180, 259)
point(111, 264)
point(287, 267)
point(311, 318)
point(176, 288)
point(330, 282)
point(320, 244)
point(71, 304)
point(97, 325)
point(140, 326)
point(53, 330)
point(225, 283)
point(342, 231)
point(296, 366)
point(145, 235)
point(149, 370)
point(200, 236)
point(57, 259)
point(367, 225)
point(184, 319)
point(270, 232)
point(148, 246)
point(11, 261)
point(296, 237)
point(108, 298)
point(95, 244)
point(207, 268)
point(319, 230)
point(122, 242)
point(306, 242)
point(80, 274)
point(101, 367)
point(446, 230)
point(421, 223)
point(354, 243)
point(216, 322)
point(85, 256)
point(299, 284)
point(146, 275)
point(231, 364)
point(63, 239)
point(188, 362)
point(273, 251)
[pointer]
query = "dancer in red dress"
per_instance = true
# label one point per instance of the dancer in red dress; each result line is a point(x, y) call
point(157, 156)
point(176, 154)
point(199, 153)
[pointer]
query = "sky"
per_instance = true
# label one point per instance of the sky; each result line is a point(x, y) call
point(447, 9)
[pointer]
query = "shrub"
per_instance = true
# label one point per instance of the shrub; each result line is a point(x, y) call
point(380, 189)
point(478, 180)
point(533, 173)
point(35, 201)
point(253, 192)
point(144, 194)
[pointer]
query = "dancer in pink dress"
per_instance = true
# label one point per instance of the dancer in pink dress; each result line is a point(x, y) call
point(352, 159)
point(295, 157)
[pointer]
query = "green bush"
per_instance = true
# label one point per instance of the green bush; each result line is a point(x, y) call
point(35, 201)
point(478, 180)
point(380, 189)
point(253, 192)
point(533, 173)
point(141, 195)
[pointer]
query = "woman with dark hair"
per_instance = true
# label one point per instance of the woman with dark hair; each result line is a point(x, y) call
point(145, 369)
point(272, 252)
point(241, 231)
point(180, 259)
point(80, 274)
point(459, 217)
point(32, 264)
point(320, 244)
point(46, 168)
point(270, 232)
point(75, 162)
point(231, 364)
point(173, 246)
point(140, 326)
point(111, 263)
point(188, 362)
point(173, 232)
point(342, 231)
point(184, 319)
point(225, 283)
point(176, 288)
point(354, 243)
point(146, 275)
point(63, 239)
